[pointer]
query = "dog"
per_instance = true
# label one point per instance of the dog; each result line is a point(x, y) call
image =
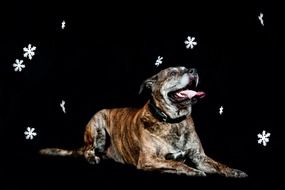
point(158, 137)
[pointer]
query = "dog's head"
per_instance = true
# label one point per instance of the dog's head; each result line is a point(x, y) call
point(174, 90)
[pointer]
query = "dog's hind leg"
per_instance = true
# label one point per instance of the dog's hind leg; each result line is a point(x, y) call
point(94, 138)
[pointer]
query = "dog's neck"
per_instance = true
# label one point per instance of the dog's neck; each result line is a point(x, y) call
point(162, 116)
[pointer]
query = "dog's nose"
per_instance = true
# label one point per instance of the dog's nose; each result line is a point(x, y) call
point(193, 71)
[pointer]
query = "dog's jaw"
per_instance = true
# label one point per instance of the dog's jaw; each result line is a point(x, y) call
point(162, 100)
point(173, 111)
point(182, 94)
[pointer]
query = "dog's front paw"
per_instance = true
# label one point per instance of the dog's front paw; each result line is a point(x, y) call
point(202, 174)
point(196, 172)
point(235, 173)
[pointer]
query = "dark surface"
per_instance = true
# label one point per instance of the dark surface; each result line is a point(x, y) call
point(99, 61)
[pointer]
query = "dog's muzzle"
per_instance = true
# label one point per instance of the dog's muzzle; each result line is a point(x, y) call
point(188, 92)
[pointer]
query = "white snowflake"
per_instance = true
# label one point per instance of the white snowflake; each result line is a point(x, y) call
point(29, 51)
point(30, 133)
point(62, 106)
point(263, 138)
point(63, 25)
point(260, 17)
point(221, 110)
point(158, 61)
point(190, 43)
point(18, 66)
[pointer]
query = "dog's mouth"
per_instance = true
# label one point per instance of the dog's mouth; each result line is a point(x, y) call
point(187, 93)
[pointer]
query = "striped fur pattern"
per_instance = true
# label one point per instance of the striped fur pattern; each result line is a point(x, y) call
point(140, 139)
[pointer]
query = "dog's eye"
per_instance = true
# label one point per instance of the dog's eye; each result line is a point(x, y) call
point(172, 73)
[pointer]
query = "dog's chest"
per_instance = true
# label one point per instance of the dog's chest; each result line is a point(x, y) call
point(177, 137)
point(173, 136)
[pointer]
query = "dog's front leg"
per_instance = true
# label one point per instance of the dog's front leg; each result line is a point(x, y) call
point(167, 166)
point(196, 154)
point(208, 165)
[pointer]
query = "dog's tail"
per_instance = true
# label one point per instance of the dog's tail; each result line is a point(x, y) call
point(61, 152)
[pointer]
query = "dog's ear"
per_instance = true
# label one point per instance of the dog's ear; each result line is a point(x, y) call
point(148, 83)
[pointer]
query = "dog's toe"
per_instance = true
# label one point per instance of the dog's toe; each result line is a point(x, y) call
point(241, 174)
point(237, 173)
point(203, 174)
point(199, 173)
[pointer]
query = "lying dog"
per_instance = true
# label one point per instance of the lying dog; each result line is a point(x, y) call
point(158, 137)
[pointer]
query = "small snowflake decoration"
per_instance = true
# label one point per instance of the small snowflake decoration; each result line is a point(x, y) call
point(18, 65)
point(190, 43)
point(63, 25)
point(62, 106)
point(260, 17)
point(221, 110)
point(29, 51)
point(158, 61)
point(263, 138)
point(30, 133)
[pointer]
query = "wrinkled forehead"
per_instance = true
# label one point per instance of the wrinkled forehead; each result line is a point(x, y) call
point(175, 69)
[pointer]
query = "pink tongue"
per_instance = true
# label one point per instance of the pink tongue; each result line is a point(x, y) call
point(189, 93)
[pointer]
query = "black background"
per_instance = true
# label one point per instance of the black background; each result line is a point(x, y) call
point(99, 61)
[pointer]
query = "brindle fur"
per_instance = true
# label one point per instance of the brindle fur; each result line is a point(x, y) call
point(140, 139)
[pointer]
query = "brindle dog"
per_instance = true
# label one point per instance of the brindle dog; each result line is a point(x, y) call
point(158, 137)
